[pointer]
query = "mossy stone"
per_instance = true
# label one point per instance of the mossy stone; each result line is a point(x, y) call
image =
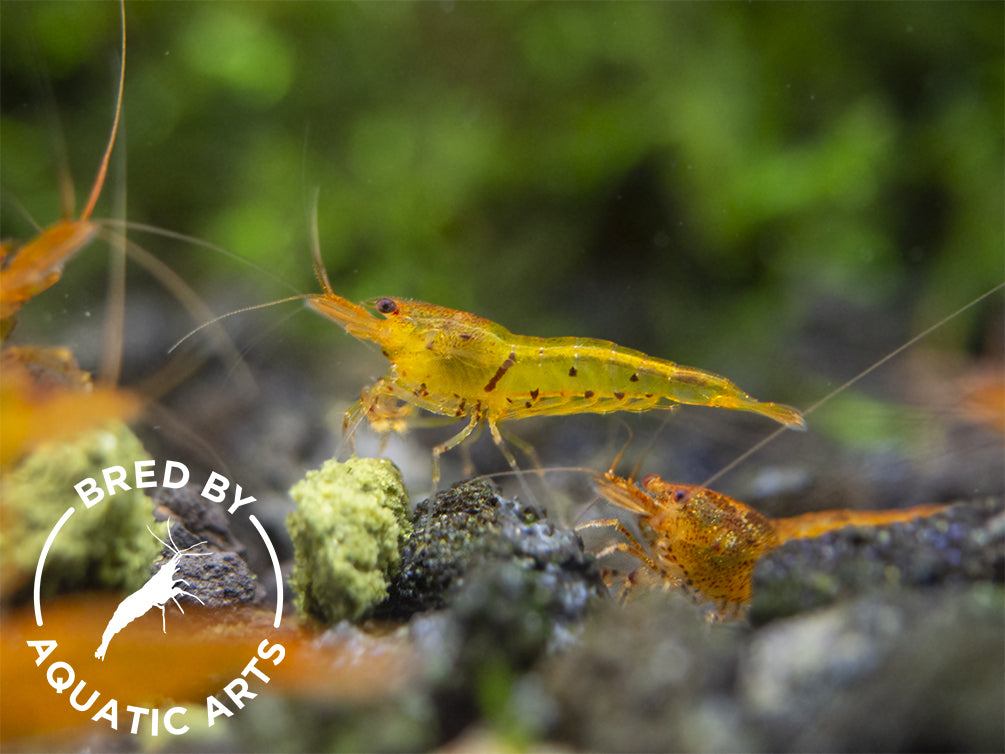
point(351, 522)
point(106, 546)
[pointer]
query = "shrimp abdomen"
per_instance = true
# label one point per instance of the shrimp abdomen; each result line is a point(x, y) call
point(555, 376)
point(814, 524)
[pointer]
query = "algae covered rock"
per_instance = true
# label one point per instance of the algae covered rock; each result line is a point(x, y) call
point(220, 576)
point(468, 538)
point(351, 521)
point(490, 586)
point(511, 585)
point(107, 546)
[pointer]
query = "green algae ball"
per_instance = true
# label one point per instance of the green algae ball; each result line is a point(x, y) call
point(107, 546)
point(351, 521)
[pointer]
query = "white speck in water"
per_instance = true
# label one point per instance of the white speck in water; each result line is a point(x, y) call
point(107, 442)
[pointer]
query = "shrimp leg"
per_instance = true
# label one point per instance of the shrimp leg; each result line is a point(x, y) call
point(453, 442)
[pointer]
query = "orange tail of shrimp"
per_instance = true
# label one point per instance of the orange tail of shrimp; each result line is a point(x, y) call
point(708, 543)
point(781, 413)
point(698, 387)
point(805, 526)
point(810, 525)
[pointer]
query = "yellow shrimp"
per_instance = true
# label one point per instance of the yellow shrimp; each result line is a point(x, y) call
point(458, 364)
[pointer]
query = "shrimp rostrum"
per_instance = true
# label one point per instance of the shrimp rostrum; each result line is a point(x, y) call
point(457, 364)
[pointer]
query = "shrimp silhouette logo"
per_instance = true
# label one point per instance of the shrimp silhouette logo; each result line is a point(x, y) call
point(161, 587)
point(94, 687)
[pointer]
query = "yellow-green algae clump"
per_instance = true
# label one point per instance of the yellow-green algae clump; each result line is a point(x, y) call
point(105, 546)
point(351, 522)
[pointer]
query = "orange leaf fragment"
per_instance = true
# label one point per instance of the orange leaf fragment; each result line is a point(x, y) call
point(202, 651)
point(45, 397)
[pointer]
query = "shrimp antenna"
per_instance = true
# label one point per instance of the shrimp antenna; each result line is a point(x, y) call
point(319, 272)
point(621, 453)
point(194, 241)
point(173, 547)
point(99, 181)
point(650, 444)
point(844, 386)
point(242, 310)
point(521, 472)
point(319, 266)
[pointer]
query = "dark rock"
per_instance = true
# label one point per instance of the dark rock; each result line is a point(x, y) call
point(468, 539)
point(507, 584)
point(213, 568)
point(204, 519)
point(895, 670)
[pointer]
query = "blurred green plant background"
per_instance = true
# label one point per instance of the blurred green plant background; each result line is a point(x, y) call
point(705, 182)
point(780, 193)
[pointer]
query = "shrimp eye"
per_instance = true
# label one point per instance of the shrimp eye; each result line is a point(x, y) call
point(386, 306)
point(680, 495)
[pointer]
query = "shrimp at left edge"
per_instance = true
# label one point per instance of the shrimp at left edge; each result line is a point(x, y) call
point(38, 264)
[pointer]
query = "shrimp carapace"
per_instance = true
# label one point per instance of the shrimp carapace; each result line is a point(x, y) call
point(458, 364)
point(708, 543)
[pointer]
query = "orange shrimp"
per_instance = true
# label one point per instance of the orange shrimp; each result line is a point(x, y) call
point(45, 396)
point(458, 364)
point(33, 267)
point(708, 543)
point(38, 264)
